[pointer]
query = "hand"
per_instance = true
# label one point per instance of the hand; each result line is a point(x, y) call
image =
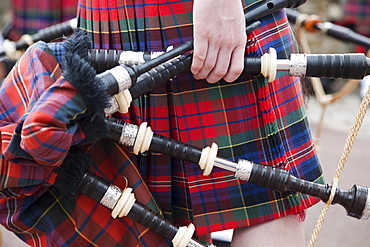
point(219, 40)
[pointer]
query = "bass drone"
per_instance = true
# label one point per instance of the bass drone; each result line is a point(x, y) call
point(356, 200)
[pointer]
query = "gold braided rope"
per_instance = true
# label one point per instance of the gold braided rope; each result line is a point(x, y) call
point(324, 100)
point(346, 150)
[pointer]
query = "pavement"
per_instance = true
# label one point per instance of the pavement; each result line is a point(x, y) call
point(338, 229)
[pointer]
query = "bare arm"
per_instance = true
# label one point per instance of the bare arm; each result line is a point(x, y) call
point(219, 40)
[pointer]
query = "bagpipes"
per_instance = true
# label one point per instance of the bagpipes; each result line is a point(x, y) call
point(140, 78)
point(125, 82)
point(313, 24)
point(356, 201)
point(124, 204)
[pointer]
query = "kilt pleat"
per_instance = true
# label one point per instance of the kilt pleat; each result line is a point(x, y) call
point(27, 17)
point(249, 119)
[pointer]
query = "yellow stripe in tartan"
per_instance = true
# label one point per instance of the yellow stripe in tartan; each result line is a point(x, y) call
point(239, 208)
point(137, 30)
point(72, 220)
point(143, 183)
point(199, 89)
point(54, 70)
point(143, 233)
point(45, 212)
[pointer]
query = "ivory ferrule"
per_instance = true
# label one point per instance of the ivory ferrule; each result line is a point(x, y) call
point(131, 58)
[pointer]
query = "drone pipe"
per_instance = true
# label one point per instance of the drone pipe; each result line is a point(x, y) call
point(356, 201)
point(123, 203)
point(47, 34)
point(312, 23)
point(125, 76)
point(345, 66)
point(102, 59)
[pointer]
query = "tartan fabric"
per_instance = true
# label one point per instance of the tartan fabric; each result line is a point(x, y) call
point(357, 13)
point(27, 17)
point(249, 119)
point(39, 121)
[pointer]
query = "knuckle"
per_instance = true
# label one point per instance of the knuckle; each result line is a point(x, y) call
point(200, 56)
point(219, 73)
point(208, 65)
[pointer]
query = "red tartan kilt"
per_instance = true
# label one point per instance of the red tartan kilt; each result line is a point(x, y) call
point(248, 119)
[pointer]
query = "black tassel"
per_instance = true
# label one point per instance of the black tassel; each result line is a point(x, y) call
point(79, 44)
point(82, 76)
point(71, 172)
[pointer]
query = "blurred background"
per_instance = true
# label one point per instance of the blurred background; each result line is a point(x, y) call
point(331, 112)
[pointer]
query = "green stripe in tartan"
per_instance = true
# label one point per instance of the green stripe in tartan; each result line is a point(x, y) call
point(49, 209)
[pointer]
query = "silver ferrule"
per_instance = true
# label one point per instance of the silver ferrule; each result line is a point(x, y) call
point(131, 58)
point(111, 196)
point(113, 106)
point(128, 135)
point(244, 170)
point(283, 65)
point(366, 211)
point(226, 164)
point(122, 77)
point(298, 65)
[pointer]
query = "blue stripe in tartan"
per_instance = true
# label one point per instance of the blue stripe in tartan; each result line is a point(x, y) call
point(284, 103)
point(58, 49)
point(133, 5)
point(240, 121)
point(255, 150)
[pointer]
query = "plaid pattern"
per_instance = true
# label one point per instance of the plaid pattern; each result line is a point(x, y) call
point(39, 122)
point(249, 119)
point(30, 16)
point(357, 13)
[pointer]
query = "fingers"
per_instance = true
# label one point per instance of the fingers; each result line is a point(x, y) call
point(218, 43)
point(214, 62)
point(207, 59)
point(236, 64)
point(199, 57)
